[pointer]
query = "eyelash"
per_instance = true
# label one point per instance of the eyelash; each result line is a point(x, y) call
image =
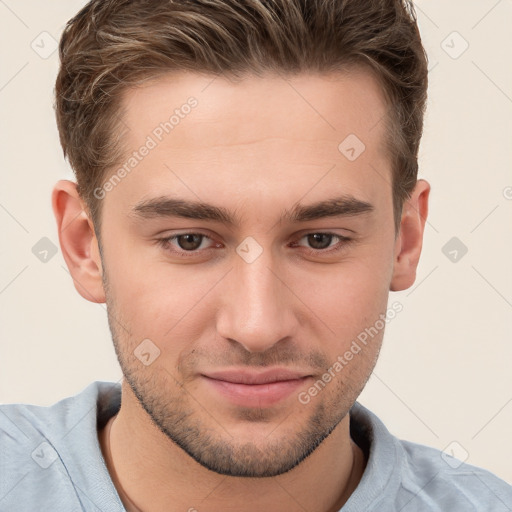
point(165, 243)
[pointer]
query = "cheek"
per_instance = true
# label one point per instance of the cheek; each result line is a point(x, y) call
point(349, 296)
point(159, 302)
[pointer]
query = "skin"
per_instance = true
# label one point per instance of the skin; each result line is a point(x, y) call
point(256, 147)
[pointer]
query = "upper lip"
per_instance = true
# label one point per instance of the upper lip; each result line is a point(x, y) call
point(245, 376)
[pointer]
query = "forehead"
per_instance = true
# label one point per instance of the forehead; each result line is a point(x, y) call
point(308, 105)
point(214, 133)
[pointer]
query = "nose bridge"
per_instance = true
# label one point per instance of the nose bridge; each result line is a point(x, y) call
point(255, 311)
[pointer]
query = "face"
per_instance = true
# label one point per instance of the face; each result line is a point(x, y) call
point(228, 315)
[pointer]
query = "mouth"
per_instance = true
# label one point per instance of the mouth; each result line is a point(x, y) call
point(255, 389)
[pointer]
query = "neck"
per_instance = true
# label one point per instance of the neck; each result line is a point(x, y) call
point(152, 474)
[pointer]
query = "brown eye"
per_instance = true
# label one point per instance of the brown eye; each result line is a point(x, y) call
point(319, 240)
point(187, 244)
point(189, 241)
point(321, 243)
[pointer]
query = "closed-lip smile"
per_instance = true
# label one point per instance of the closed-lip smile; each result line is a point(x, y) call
point(253, 388)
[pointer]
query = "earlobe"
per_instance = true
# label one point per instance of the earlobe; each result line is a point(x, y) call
point(78, 241)
point(410, 238)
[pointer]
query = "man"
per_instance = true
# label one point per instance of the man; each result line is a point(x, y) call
point(246, 198)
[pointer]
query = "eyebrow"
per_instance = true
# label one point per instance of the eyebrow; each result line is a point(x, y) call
point(343, 206)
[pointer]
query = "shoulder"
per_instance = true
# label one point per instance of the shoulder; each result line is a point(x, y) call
point(42, 448)
point(21, 424)
point(406, 476)
point(432, 477)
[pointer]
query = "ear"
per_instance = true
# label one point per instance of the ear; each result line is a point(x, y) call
point(78, 241)
point(410, 237)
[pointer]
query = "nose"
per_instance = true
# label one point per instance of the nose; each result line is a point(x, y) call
point(257, 306)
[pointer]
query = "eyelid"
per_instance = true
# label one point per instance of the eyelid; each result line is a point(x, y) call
point(343, 241)
point(165, 242)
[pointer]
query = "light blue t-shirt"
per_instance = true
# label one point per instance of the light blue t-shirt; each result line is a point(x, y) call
point(51, 461)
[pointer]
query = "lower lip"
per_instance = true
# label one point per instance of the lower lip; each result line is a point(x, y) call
point(256, 395)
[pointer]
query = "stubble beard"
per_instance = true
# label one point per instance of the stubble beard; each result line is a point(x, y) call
point(188, 424)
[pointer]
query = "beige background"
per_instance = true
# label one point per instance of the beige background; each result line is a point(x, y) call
point(445, 369)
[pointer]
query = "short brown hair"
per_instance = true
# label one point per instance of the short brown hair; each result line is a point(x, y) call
point(111, 45)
